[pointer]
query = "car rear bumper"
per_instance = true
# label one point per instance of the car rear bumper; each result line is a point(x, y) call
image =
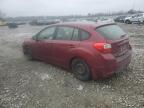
point(111, 66)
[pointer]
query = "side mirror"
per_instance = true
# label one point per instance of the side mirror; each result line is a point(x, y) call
point(34, 37)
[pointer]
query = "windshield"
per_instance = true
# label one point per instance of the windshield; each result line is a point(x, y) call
point(111, 32)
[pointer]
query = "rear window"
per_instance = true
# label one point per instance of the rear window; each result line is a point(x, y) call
point(111, 32)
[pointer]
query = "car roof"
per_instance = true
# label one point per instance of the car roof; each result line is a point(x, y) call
point(86, 24)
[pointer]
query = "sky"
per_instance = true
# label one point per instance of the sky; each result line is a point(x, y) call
point(16, 8)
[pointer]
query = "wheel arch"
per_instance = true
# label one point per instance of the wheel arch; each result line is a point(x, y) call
point(86, 56)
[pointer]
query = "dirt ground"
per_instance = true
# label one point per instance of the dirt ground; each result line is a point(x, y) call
point(34, 84)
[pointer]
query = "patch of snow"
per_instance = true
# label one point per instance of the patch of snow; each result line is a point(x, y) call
point(80, 87)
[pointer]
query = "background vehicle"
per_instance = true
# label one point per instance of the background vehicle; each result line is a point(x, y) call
point(12, 25)
point(120, 19)
point(90, 50)
point(42, 22)
point(135, 18)
point(2, 22)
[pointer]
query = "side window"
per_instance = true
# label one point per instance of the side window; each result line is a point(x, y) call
point(75, 35)
point(47, 33)
point(84, 35)
point(64, 33)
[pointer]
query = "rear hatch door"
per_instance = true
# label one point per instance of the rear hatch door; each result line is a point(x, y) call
point(115, 36)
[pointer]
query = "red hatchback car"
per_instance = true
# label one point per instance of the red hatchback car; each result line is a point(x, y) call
point(90, 50)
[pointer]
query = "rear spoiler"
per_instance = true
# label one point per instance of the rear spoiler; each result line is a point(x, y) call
point(105, 24)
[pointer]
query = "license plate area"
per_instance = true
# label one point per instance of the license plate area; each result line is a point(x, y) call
point(121, 50)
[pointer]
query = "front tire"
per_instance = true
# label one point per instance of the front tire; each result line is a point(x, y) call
point(28, 53)
point(81, 69)
point(127, 22)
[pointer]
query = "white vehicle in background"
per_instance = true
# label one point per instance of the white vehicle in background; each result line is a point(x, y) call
point(137, 18)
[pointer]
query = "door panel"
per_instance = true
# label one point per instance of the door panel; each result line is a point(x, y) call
point(66, 40)
point(42, 47)
point(62, 50)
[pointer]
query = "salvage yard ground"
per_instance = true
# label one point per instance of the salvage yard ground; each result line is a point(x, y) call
point(34, 84)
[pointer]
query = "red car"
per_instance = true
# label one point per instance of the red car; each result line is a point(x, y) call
point(90, 50)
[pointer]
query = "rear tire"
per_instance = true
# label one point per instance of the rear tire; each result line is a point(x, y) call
point(81, 69)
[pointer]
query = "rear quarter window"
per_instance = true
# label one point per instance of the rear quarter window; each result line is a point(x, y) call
point(111, 32)
point(84, 35)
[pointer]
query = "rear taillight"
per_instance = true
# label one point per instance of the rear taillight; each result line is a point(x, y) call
point(103, 47)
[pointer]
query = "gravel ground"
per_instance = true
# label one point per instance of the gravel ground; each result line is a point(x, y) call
point(34, 84)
